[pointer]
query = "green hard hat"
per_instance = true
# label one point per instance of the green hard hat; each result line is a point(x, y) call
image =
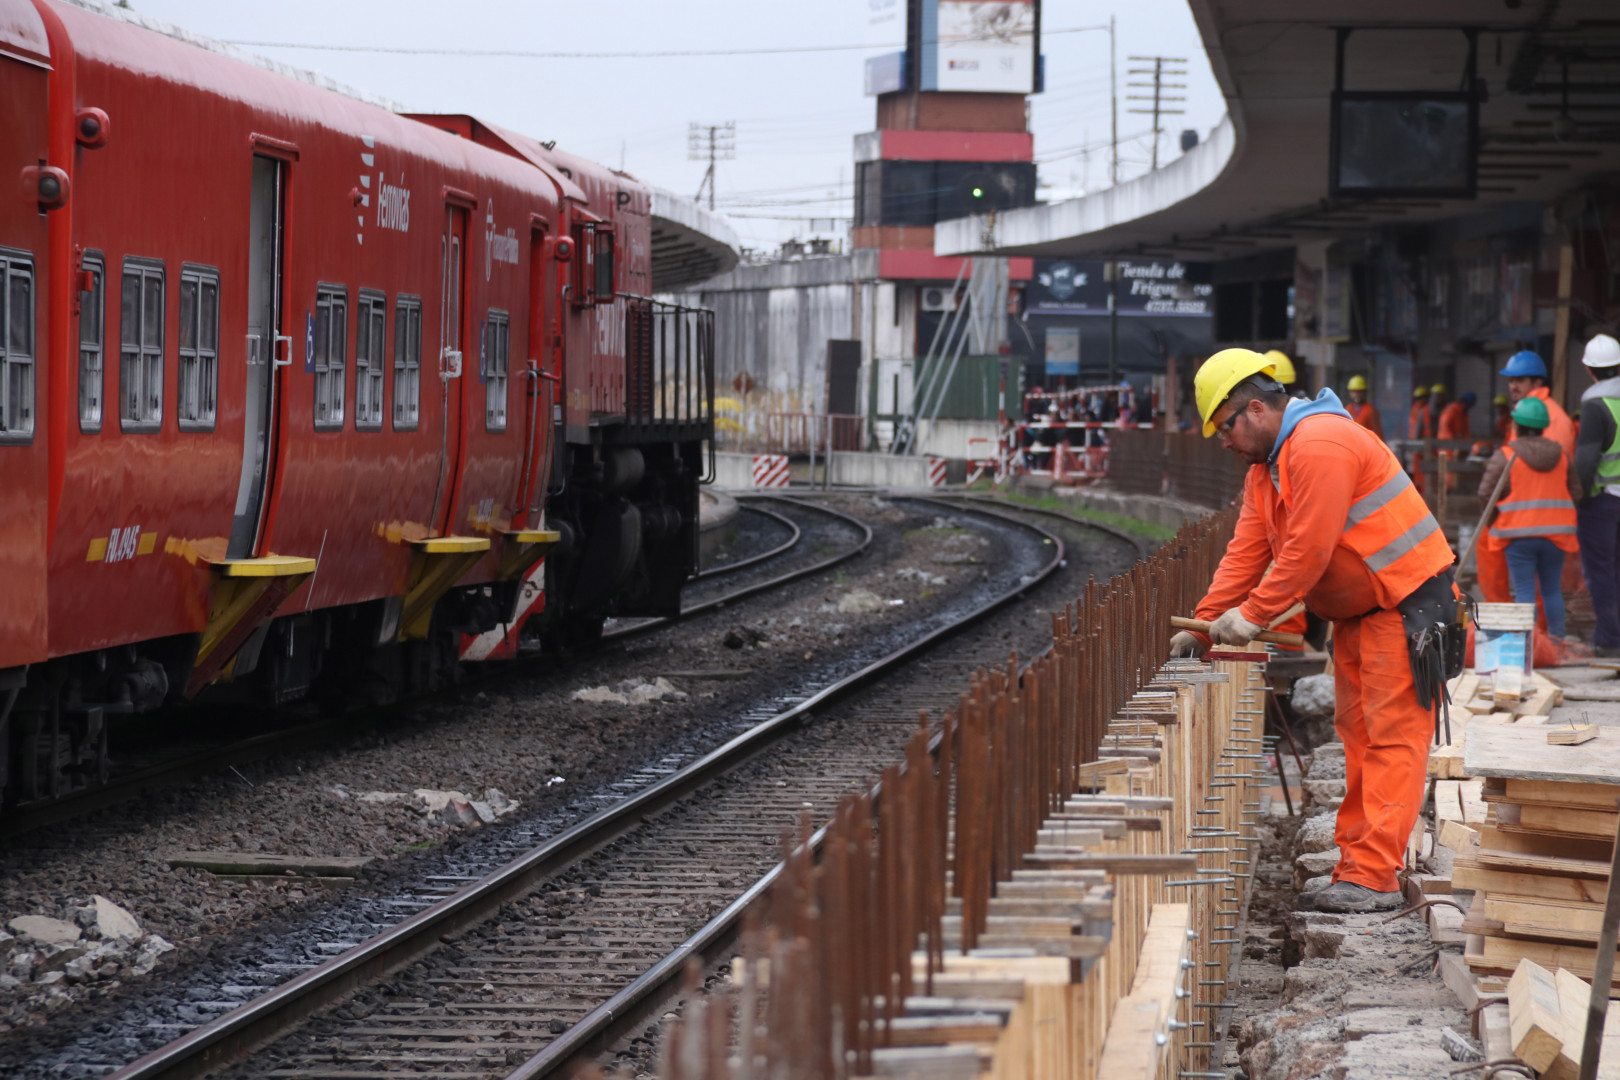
point(1530, 412)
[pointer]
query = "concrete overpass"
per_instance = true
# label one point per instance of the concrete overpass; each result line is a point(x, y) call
point(1260, 181)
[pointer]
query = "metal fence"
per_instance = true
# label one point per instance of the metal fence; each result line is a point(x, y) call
point(668, 363)
point(1178, 465)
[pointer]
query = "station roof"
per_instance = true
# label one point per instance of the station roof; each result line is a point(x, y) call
point(689, 243)
point(1259, 182)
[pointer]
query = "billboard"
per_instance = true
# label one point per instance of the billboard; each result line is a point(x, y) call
point(983, 46)
point(1063, 350)
point(1146, 287)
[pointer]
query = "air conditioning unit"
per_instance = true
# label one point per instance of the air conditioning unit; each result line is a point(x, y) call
point(938, 298)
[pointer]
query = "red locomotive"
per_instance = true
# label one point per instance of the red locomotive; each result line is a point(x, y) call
point(302, 396)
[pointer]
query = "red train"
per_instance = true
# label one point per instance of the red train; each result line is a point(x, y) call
point(300, 396)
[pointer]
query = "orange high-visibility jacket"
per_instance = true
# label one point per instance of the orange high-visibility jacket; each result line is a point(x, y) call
point(1453, 422)
point(1367, 416)
point(1536, 504)
point(1418, 424)
point(1338, 521)
point(1560, 428)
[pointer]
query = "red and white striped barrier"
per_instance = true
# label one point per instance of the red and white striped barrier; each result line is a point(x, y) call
point(770, 470)
point(936, 472)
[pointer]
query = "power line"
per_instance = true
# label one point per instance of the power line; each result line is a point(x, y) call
point(526, 54)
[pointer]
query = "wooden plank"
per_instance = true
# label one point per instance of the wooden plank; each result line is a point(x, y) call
point(1573, 735)
point(1517, 751)
point(1574, 997)
point(1503, 955)
point(1534, 1015)
point(1494, 841)
point(1468, 874)
point(1566, 919)
point(245, 862)
point(1495, 1033)
point(1117, 863)
point(1597, 824)
point(1457, 836)
point(1555, 793)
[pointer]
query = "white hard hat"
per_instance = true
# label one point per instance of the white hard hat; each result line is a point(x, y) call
point(1602, 352)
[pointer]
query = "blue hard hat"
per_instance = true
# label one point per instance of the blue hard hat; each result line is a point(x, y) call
point(1524, 363)
point(1468, 398)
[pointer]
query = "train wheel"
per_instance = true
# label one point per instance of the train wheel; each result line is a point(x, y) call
point(38, 758)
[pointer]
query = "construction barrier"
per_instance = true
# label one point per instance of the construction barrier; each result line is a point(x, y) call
point(936, 471)
point(1045, 887)
point(770, 470)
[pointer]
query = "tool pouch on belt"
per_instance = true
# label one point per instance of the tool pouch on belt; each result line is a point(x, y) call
point(1432, 618)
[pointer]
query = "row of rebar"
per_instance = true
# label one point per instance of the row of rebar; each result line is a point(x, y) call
point(825, 974)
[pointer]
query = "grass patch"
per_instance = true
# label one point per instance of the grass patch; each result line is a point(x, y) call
point(1069, 508)
point(936, 531)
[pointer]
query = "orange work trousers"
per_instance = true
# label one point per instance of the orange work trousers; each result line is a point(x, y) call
point(1386, 736)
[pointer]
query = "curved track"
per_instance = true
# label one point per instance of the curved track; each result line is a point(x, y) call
point(620, 889)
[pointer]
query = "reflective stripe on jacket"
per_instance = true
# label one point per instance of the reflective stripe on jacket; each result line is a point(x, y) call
point(1536, 503)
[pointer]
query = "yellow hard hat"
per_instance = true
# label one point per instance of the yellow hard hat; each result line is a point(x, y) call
point(1219, 375)
point(1358, 382)
point(1499, 399)
point(1420, 391)
point(1284, 367)
point(1438, 388)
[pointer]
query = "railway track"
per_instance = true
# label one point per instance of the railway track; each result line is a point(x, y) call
point(530, 979)
point(161, 765)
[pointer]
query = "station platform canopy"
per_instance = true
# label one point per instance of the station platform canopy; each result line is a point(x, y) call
point(689, 243)
point(1546, 88)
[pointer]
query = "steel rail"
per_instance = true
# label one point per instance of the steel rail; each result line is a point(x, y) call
point(786, 545)
point(759, 586)
point(629, 1008)
point(232, 1036)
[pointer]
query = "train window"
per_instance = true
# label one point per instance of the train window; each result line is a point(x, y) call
point(331, 335)
point(16, 346)
point(493, 367)
point(92, 337)
point(407, 362)
point(140, 334)
point(198, 392)
point(370, 331)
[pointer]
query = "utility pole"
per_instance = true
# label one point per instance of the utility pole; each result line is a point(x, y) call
point(716, 142)
point(1164, 68)
point(1113, 107)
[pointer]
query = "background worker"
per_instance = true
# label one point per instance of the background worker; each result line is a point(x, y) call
point(1286, 374)
point(1327, 507)
point(1527, 377)
point(1504, 417)
point(1418, 425)
point(1597, 471)
point(1361, 410)
point(1534, 523)
point(1451, 424)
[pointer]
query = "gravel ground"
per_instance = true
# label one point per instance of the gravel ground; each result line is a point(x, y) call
point(518, 737)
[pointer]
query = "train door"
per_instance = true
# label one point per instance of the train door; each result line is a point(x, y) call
point(451, 340)
point(267, 349)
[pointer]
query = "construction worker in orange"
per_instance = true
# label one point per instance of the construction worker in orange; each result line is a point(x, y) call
point(1452, 424)
point(1419, 422)
point(1527, 377)
point(1504, 417)
point(1329, 510)
point(1361, 410)
point(1534, 524)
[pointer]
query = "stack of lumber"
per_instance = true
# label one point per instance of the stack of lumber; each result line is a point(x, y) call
point(1539, 862)
point(1547, 1016)
point(1473, 702)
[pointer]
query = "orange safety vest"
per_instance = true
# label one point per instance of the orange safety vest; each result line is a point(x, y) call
point(1537, 504)
point(1389, 526)
point(1418, 422)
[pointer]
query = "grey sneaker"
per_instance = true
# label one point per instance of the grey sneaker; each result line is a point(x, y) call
point(1346, 897)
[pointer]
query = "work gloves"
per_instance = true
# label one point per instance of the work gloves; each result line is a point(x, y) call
point(1233, 629)
point(1184, 644)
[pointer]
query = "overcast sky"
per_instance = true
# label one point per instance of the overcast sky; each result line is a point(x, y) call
point(795, 112)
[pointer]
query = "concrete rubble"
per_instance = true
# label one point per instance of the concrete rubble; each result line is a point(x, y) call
point(98, 942)
point(631, 692)
point(451, 807)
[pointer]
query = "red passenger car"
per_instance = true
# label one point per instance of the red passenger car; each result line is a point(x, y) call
point(297, 392)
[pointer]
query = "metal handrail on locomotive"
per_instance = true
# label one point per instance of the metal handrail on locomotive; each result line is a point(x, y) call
point(302, 397)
